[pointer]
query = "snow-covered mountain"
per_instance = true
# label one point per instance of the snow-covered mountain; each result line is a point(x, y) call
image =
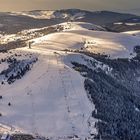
point(14, 22)
point(42, 14)
point(73, 80)
point(77, 14)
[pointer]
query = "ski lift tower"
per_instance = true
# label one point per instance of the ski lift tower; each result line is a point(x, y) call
point(30, 44)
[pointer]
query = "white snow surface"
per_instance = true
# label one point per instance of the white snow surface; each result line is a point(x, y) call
point(128, 24)
point(49, 14)
point(36, 14)
point(50, 100)
point(114, 44)
point(135, 33)
point(69, 26)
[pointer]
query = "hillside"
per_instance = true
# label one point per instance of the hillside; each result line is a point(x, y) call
point(14, 22)
point(78, 81)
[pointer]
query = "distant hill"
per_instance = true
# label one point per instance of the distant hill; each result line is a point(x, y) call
point(135, 11)
point(17, 21)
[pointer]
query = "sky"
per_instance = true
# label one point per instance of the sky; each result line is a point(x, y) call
point(94, 5)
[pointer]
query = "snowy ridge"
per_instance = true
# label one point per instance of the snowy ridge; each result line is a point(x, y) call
point(36, 14)
point(81, 26)
point(134, 33)
point(113, 44)
point(50, 14)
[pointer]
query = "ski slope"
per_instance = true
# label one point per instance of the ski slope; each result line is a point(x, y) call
point(50, 100)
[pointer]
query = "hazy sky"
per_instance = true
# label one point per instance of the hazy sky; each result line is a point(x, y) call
point(23, 5)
